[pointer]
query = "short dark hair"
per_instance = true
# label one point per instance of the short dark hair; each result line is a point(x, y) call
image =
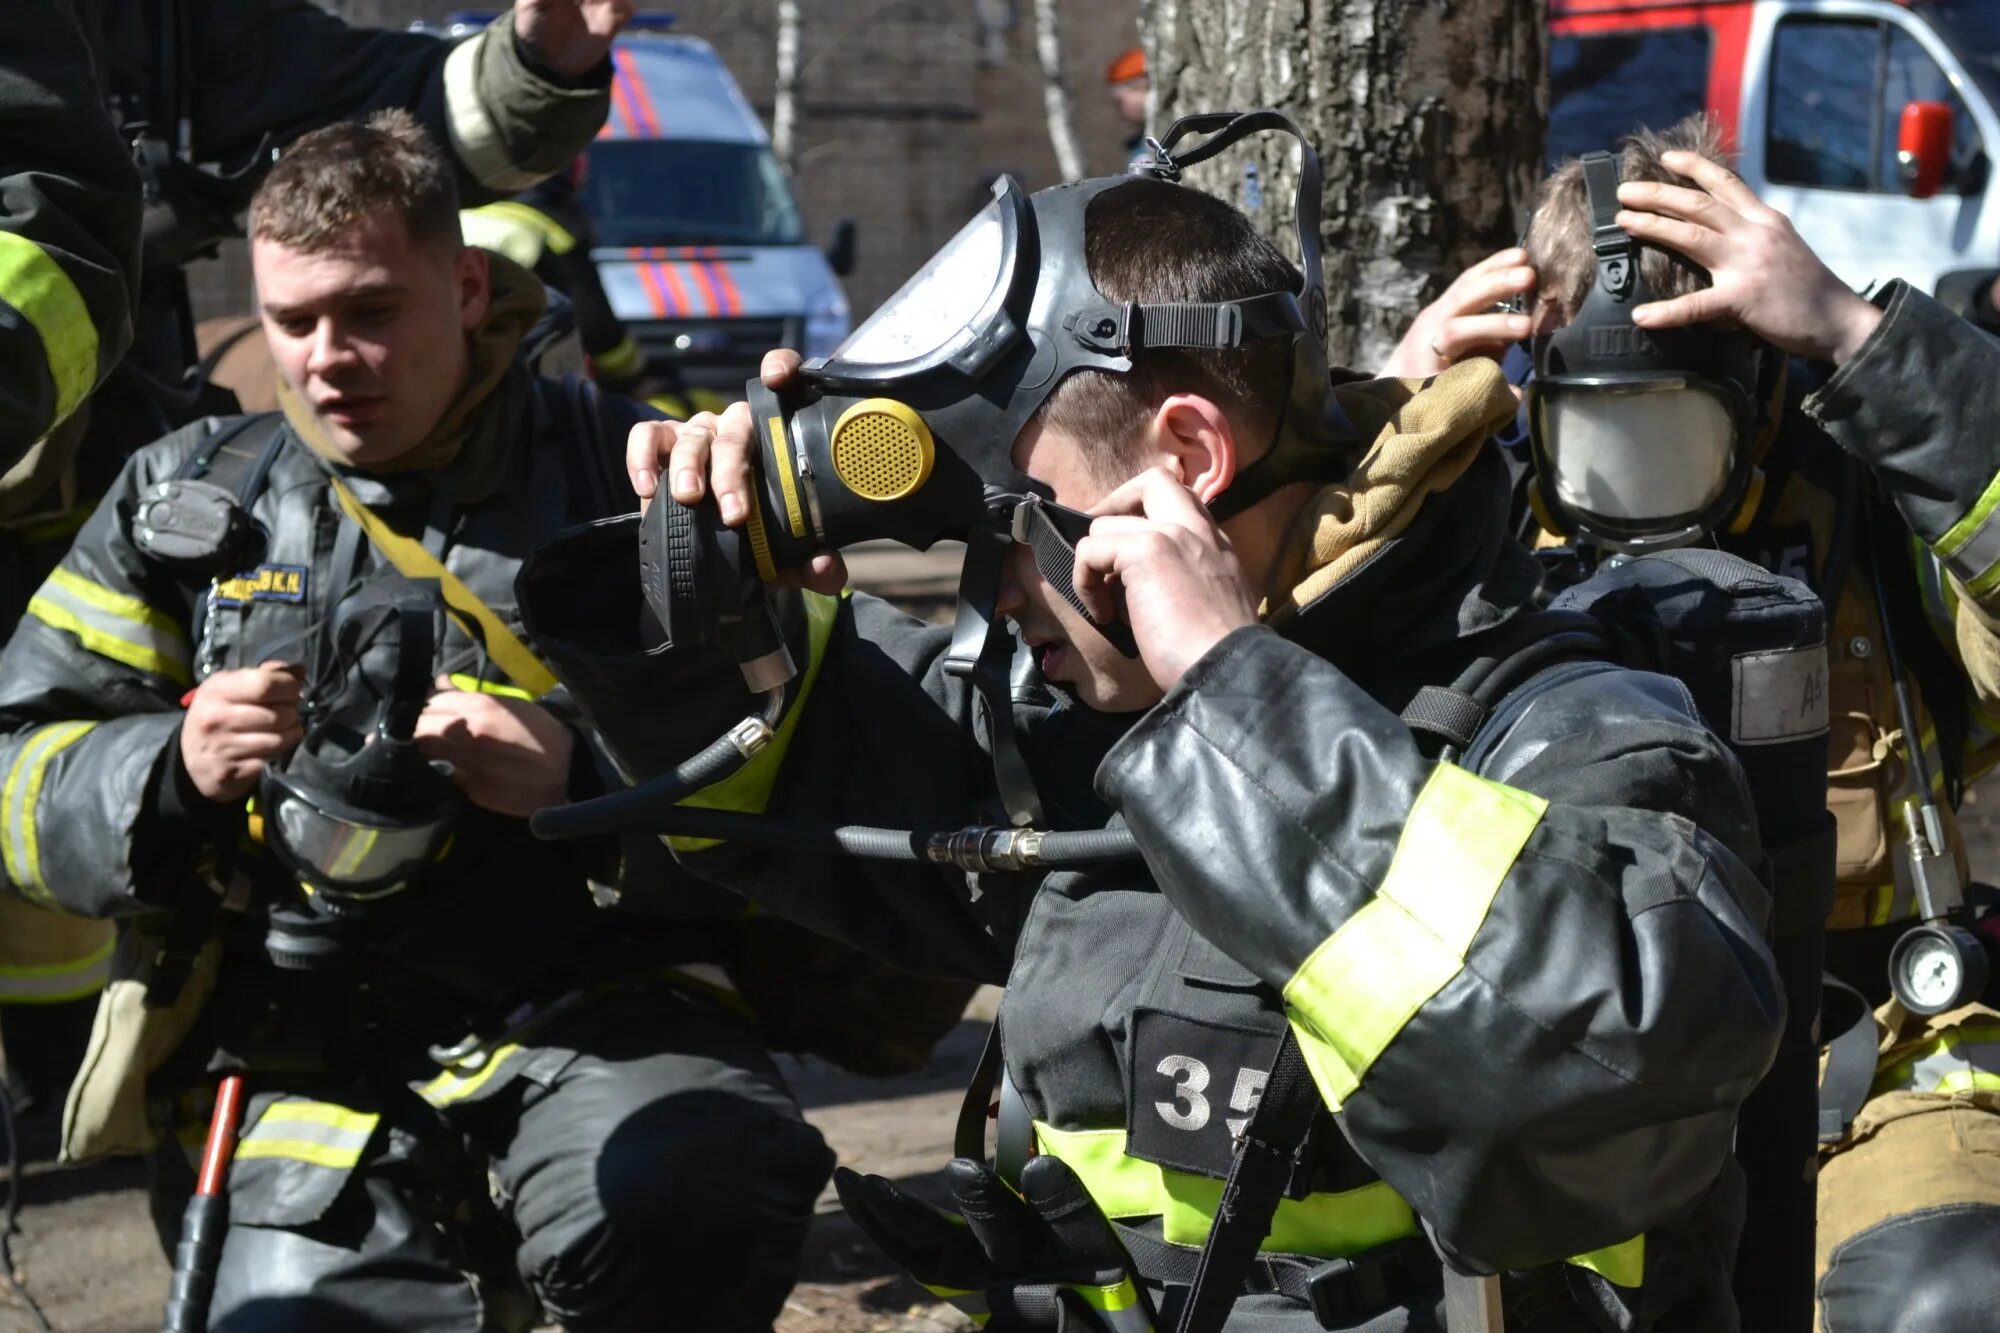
point(1152, 241)
point(332, 178)
point(1558, 241)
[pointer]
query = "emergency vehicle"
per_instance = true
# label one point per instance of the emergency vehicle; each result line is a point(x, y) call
point(700, 245)
point(1871, 123)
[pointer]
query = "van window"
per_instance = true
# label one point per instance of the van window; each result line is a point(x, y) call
point(1838, 88)
point(1602, 87)
point(688, 192)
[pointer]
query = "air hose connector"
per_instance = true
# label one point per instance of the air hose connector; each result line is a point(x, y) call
point(751, 735)
point(985, 850)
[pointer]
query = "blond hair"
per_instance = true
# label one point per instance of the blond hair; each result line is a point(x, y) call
point(1558, 241)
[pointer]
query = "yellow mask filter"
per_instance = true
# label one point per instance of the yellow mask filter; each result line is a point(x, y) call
point(882, 450)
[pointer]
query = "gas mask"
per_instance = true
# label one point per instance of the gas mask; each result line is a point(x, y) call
point(906, 432)
point(356, 813)
point(1643, 439)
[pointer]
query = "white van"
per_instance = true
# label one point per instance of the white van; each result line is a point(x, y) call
point(1873, 124)
point(700, 244)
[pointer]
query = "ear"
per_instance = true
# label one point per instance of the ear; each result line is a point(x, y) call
point(1194, 438)
point(475, 286)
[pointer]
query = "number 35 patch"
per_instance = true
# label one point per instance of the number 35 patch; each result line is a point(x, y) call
point(1191, 1089)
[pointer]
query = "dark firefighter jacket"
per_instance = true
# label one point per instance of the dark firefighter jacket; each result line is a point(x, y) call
point(246, 78)
point(1535, 997)
point(69, 227)
point(100, 817)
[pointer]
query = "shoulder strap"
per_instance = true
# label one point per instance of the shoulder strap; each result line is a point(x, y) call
point(244, 469)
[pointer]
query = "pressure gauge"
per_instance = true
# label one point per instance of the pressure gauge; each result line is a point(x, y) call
point(1934, 968)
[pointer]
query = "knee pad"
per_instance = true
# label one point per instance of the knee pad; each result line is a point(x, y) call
point(1924, 1272)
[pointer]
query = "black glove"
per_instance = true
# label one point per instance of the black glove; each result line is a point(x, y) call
point(1044, 1259)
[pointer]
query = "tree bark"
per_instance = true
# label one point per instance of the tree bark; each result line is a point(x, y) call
point(1428, 116)
point(785, 96)
point(1055, 90)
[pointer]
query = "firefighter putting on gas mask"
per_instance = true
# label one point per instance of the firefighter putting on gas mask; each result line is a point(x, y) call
point(1863, 465)
point(1412, 979)
point(274, 711)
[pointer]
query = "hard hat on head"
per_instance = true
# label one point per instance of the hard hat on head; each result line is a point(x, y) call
point(1128, 66)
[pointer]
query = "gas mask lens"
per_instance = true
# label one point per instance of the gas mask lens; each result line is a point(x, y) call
point(1637, 455)
point(941, 298)
point(345, 852)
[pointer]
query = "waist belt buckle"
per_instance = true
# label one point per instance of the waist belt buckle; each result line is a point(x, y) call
point(1341, 1290)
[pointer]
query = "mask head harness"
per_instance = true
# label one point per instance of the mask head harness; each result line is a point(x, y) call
point(1643, 439)
point(356, 813)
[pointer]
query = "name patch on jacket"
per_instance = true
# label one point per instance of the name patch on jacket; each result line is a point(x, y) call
point(266, 583)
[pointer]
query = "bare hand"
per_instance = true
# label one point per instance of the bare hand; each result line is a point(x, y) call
point(1184, 589)
point(708, 450)
point(510, 756)
point(237, 722)
point(570, 36)
point(1462, 323)
point(1764, 277)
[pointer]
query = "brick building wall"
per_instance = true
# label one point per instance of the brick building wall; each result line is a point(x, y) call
point(902, 120)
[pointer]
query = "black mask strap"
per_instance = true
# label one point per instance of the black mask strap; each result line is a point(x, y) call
point(1051, 532)
point(983, 651)
point(1617, 253)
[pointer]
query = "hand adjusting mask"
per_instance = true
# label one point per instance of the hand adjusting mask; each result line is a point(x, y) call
point(906, 432)
point(1643, 439)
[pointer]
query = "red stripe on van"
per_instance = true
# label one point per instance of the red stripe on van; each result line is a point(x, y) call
point(677, 287)
point(732, 299)
point(654, 296)
point(642, 98)
point(707, 285)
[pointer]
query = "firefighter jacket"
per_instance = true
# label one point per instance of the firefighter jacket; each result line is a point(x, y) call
point(100, 817)
point(69, 228)
point(1532, 997)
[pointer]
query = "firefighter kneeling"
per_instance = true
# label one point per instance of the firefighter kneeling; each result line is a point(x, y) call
point(274, 713)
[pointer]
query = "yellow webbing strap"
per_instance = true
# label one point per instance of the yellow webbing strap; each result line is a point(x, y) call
point(502, 644)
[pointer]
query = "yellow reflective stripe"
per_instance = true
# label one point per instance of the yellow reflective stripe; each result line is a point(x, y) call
point(298, 1150)
point(1971, 546)
point(20, 799)
point(1938, 1062)
point(502, 236)
point(971, 1304)
point(319, 1113)
point(112, 624)
point(748, 789)
point(782, 453)
point(57, 983)
point(554, 233)
point(1324, 1226)
point(1120, 1295)
point(451, 1086)
point(1623, 1264)
point(474, 685)
point(502, 644)
point(35, 284)
point(1351, 998)
point(622, 361)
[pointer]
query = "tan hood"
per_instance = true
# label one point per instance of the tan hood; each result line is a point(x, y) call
point(517, 303)
point(1427, 432)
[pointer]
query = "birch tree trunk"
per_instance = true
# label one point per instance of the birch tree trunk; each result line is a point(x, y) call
point(1055, 90)
point(785, 97)
point(1428, 115)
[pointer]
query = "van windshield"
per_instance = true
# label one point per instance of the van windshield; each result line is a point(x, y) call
point(1972, 28)
point(688, 192)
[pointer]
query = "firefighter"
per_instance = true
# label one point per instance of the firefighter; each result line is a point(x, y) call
point(291, 752)
point(223, 83)
point(1486, 976)
point(1881, 445)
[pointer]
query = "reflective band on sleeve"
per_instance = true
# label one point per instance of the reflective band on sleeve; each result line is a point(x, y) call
point(1623, 1264)
point(501, 235)
point(1324, 1226)
point(474, 685)
point(748, 789)
point(452, 1086)
point(20, 799)
point(316, 1133)
point(58, 983)
point(1965, 1058)
point(1352, 997)
point(553, 233)
point(474, 137)
point(1970, 548)
point(113, 625)
point(623, 361)
point(36, 285)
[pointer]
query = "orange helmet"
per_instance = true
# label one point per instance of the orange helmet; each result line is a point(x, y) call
point(1129, 65)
